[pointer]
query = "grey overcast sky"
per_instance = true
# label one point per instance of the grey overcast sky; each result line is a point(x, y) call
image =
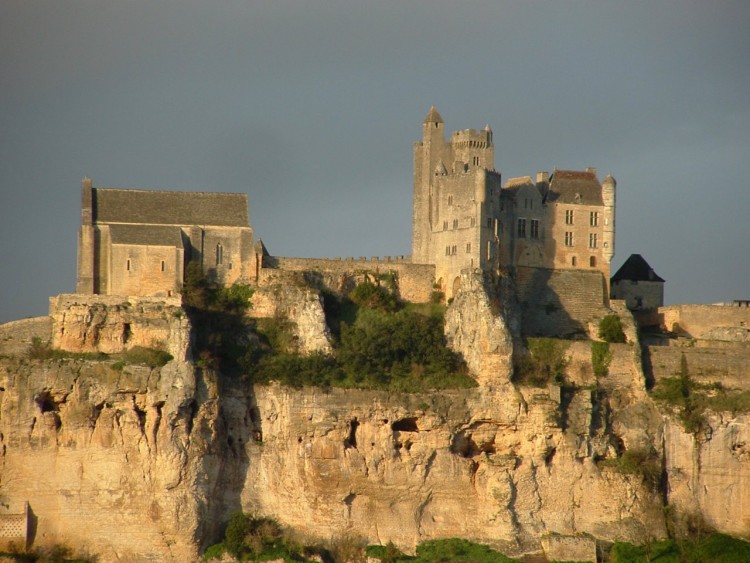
point(311, 108)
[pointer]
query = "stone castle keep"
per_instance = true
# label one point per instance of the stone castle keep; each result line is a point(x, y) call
point(552, 233)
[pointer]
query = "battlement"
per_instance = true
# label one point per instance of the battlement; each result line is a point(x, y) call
point(471, 138)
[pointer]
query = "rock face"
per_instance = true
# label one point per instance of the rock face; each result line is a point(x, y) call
point(141, 464)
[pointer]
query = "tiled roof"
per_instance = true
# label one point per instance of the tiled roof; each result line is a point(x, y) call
point(574, 186)
point(636, 268)
point(146, 235)
point(170, 208)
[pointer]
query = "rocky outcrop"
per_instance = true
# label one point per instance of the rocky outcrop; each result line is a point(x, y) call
point(476, 329)
point(112, 324)
point(299, 303)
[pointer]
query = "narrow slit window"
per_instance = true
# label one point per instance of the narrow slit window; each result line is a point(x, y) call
point(219, 254)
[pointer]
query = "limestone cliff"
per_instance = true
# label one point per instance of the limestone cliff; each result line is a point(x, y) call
point(144, 464)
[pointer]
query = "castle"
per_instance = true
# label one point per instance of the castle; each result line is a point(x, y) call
point(464, 217)
point(555, 234)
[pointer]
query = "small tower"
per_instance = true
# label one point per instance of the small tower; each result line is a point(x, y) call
point(85, 282)
point(428, 154)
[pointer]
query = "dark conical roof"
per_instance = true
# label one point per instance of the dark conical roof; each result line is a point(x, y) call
point(433, 116)
point(636, 268)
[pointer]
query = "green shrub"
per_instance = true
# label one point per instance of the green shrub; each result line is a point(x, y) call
point(372, 296)
point(601, 357)
point(610, 329)
point(545, 362)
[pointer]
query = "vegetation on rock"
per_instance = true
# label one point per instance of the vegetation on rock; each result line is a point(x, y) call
point(379, 344)
point(544, 364)
point(610, 329)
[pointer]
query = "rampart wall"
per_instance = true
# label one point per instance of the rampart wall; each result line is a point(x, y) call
point(16, 336)
point(415, 281)
point(700, 321)
point(729, 365)
point(559, 302)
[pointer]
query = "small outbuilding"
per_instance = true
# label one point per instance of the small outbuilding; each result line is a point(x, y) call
point(637, 284)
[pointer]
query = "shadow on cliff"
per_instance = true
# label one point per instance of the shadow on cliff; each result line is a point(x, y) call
point(221, 341)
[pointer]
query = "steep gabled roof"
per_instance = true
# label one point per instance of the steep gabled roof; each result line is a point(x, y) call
point(636, 268)
point(575, 186)
point(170, 208)
point(146, 235)
point(433, 116)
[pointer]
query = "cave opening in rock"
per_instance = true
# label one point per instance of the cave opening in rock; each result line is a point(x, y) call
point(405, 425)
point(351, 440)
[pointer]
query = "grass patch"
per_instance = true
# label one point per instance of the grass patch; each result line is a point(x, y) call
point(40, 350)
point(714, 548)
point(439, 551)
point(151, 357)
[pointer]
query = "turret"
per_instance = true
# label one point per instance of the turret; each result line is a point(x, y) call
point(427, 155)
point(85, 282)
point(608, 197)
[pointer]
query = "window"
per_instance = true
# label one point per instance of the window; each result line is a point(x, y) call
point(534, 233)
point(453, 249)
point(592, 261)
point(476, 161)
point(163, 266)
point(468, 247)
point(489, 250)
point(568, 238)
point(592, 240)
point(569, 217)
point(445, 225)
point(447, 250)
point(450, 200)
point(489, 222)
point(522, 228)
point(573, 261)
point(127, 265)
point(455, 223)
point(594, 219)
point(219, 254)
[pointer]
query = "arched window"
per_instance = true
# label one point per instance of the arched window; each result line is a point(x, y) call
point(573, 261)
point(219, 254)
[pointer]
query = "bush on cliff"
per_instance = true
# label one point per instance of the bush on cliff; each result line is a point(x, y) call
point(610, 329)
point(377, 347)
point(544, 363)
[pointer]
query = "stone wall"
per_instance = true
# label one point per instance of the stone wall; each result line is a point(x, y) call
point(701, 321)
point(728, 365)
point(559, 302)
point(16, 336)
point(415, 281)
